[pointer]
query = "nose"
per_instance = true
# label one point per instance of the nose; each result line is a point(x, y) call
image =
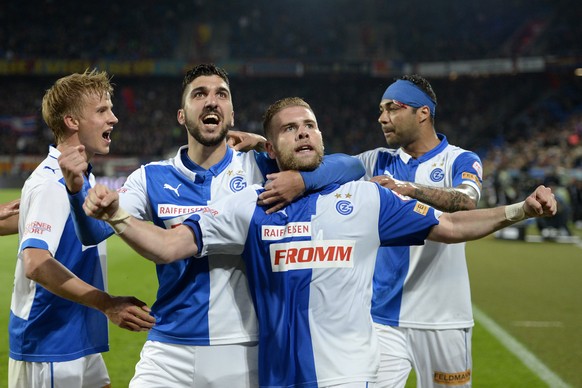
point(302, 133)
point(113, 120)
point(384, 117)
point(210, 100)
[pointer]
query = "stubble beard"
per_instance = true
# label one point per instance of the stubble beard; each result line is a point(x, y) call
point(195, 132)
point(288, 161)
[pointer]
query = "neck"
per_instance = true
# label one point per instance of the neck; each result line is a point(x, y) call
point(423, 144)
point(206, 156)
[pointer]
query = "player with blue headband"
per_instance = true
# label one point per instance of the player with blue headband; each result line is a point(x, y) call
point(407, 93)
point(421, 303)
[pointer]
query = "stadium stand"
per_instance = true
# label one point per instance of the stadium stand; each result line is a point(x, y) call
point(527, 126)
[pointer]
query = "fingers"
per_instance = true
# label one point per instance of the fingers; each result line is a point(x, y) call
point(10, 209)
point(384, 181)
point(541, 203)
point(276, 207)
point(98, 199)
point(132, 314)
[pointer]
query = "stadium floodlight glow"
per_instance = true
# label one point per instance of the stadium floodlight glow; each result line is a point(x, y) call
point(578, 72)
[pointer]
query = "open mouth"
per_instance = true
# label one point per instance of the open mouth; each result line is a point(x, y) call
point(107, 135)
point(211, 119)
point(304, 148)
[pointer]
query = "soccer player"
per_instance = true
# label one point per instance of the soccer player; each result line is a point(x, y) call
point(206, 328)
point(421, 303)
point(310, 265)
point(59, 309)
point(9, 217)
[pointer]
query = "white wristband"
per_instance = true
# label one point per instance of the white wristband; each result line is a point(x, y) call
point(118, 221)
point(515, 212)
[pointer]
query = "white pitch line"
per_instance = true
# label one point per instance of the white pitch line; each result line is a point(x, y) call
point(529, 359)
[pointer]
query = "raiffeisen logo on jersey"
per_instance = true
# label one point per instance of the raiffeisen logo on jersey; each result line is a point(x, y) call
point(292, 229)
point(169, 210)
point(312, 254)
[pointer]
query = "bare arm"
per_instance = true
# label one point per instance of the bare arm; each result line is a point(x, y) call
point(9, 217)
point(474, 224)
point(124, 311)
point(159, 245)
point(447, 199)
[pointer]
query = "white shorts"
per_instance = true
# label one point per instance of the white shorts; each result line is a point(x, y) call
point(439, 357)
point(166, 365)
point(84, 372)
point(362, 384)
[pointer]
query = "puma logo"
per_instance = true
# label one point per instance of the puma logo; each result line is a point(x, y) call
point(175, 190)
point(52, 169)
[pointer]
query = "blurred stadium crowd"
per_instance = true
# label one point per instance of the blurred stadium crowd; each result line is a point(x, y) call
point(526, 127)
point(412, 30)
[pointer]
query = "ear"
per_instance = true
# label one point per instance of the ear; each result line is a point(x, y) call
point(270, 150)
point(180, 116)
point(71, 122)
point(232, 120)
point(423, 113)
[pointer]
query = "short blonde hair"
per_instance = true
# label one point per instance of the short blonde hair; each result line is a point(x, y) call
point(278, 106)
point(67, 96)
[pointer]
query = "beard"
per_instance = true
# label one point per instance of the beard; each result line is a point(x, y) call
point(288, 161)
point(208, 141)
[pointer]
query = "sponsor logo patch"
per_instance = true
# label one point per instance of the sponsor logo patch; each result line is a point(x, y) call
point(471, 177)
point(169, 210)
point(451, 379)
point(421, 208)
point(279, 232)
point(477, 166)
point(37, 227)
point(312, 254)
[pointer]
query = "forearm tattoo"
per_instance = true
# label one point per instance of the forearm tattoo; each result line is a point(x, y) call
point(447, 199)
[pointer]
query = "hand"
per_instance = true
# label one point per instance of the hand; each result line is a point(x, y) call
point(9, 209)
point(281, 189)
point(101, 202)
point(73, 163)
point(400, 187)
point(129, 313)
point(245, 141)
point(541, 203)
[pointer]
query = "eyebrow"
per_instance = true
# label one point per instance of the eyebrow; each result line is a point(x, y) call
point(306, 121)
point(206, 88)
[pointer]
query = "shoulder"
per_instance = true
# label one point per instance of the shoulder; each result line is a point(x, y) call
point(376, 152)
point(458, 151)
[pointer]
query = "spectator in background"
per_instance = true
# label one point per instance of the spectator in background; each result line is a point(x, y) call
point(557, 226)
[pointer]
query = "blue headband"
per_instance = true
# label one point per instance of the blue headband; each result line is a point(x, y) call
point(408, 93)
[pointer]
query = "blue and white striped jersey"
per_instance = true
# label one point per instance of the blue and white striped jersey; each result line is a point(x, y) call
point(310, 268)
point(424, 287)
point(199, 301)
point(44, 327)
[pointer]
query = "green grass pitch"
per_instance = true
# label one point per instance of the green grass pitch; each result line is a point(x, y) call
point(532, 290)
